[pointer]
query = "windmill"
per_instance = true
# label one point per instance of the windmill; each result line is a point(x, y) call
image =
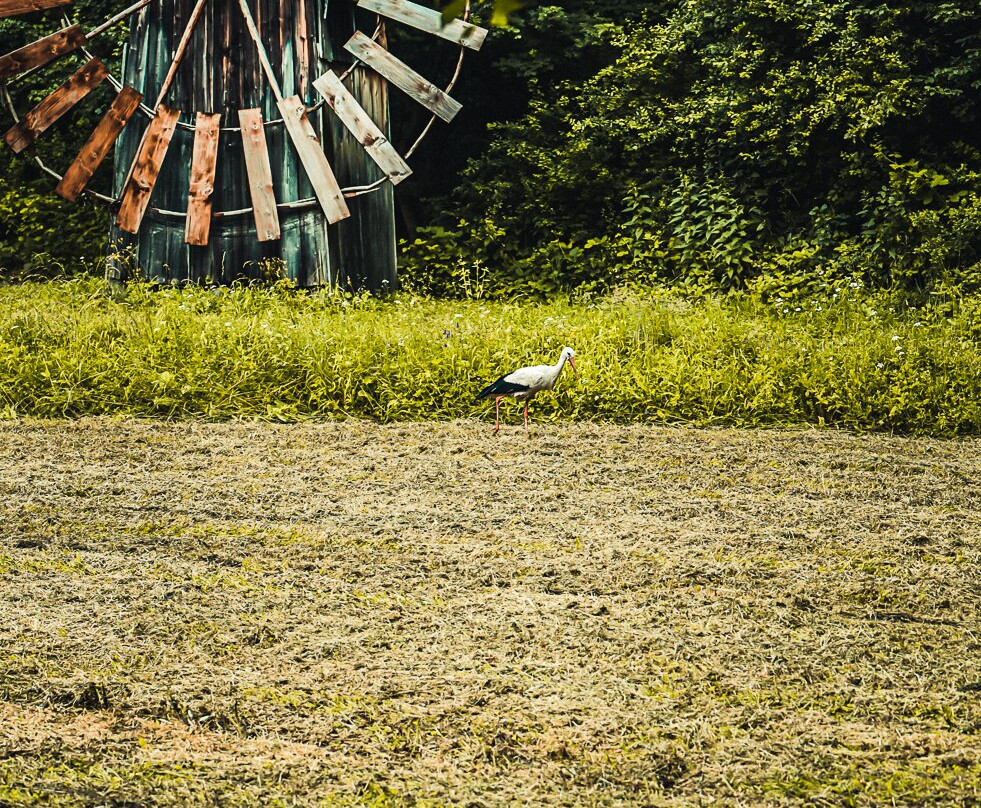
point(246, 133)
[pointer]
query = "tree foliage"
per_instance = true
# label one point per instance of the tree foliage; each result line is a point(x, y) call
point(744, 142)
point(721, 143)
point(39, 232)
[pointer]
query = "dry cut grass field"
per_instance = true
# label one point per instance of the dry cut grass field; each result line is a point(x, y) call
point(351, 614)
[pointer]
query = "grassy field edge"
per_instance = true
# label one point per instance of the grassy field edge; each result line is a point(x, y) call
point(847, 358)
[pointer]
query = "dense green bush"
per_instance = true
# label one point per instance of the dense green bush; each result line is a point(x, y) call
point(39, 233)
point(714, 143)
point(841, 356)
point(732, 140)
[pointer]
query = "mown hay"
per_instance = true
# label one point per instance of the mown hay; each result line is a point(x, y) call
point(419, 614)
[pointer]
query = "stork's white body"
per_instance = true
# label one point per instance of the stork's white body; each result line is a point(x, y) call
point(525, 383)
point(536, 378)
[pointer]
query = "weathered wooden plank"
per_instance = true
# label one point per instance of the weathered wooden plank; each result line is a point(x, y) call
point(96, 148)
point(204, 163)
point(359, 123)
point(41, 52)
point(259, 171)
point(118, 18)
point(260, 49)
point(11, 8)
point(366, 241)
point(146, 167)
point(82, 82)
point(314, 160)
point(428, 20)
point(403, 76)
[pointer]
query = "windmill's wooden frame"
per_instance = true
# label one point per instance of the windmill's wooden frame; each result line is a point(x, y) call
point(282, 158)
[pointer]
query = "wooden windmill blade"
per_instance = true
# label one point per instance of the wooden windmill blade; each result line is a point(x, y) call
point(101, 140)
point(86, 79)
point(11, 8)
point(402, 76)
point(304, 137)
point(41, 52)
point(146, 168)
point(360, 116)
point(301, 132)
point(359, 123)
point(259, 172)
point(428, 20)
point(204, 162)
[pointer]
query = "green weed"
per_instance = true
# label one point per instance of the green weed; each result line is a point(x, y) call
point(848, 358)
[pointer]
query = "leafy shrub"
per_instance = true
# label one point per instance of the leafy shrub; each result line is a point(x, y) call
point(764, 137)
point(844, 357)
point(42, 235)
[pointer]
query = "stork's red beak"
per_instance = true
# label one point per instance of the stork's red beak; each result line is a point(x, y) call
point(573, 363)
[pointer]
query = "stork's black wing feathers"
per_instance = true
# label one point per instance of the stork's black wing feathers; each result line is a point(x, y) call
point(501, 388)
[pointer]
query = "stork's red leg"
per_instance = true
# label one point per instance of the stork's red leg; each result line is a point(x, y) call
point(526, 420)
point(497, 414)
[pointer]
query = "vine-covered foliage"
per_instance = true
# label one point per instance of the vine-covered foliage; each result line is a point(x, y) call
point(733, 143)
point(40, 233)
point(721, 144)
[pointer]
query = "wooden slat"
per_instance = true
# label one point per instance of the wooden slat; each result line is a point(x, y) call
point(41, 52)
point(10, 8)
point(428, 20)
point(260, 174)
point(146, 166)
point(403, 76)
point(204, 162)
point(359, 123)
point(313, 159)
point(99, 143)
point(86, 79)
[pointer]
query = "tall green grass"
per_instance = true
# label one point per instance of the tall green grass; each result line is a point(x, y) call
point(848, 358)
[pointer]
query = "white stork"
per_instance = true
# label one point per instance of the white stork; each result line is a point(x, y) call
point(525, 383)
